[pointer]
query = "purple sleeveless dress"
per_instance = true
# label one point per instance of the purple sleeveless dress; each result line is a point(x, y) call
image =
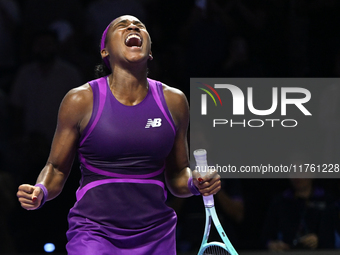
point(120, 207)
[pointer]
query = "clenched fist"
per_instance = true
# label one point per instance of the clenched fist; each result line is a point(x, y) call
point(29, 196)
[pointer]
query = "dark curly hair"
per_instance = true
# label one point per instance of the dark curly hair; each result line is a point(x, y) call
point(101, 70)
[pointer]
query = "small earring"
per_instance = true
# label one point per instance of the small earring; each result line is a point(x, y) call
point(150, 57)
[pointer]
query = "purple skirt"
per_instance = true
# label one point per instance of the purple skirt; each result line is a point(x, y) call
point(104, 221)
point(88, 238)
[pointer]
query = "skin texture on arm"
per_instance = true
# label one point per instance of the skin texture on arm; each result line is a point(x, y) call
point(177, 170)
point(74, 113)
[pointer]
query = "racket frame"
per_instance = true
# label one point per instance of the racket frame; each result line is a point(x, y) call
point(210, 214)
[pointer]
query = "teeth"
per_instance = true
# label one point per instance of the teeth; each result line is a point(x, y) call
point(132, 36)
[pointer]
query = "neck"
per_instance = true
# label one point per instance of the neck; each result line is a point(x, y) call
point(129, 87)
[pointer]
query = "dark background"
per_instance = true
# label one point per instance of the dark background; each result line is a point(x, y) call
point(227, 38)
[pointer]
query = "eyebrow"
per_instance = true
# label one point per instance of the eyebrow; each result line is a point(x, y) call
point(124, 21)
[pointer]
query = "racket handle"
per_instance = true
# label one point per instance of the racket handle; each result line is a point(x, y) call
point(202, 167)
point(201, 161)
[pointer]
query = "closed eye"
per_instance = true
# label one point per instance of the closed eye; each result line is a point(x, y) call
point(125, 23)
point(140, 25)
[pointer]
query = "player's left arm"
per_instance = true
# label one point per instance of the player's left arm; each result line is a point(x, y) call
point(177, 171)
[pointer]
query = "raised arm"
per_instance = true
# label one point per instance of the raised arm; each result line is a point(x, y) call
point(177, 171)
point(74, 113)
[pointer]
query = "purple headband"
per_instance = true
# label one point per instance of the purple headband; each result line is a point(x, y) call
point(102, 45)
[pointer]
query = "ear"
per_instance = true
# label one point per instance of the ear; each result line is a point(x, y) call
point(104, 53)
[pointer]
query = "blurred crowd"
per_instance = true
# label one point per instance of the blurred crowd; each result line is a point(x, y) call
point(48, 47)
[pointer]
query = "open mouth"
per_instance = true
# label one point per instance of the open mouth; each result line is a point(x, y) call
point(133, 40)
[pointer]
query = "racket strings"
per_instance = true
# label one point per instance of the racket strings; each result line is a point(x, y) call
point(215, 250)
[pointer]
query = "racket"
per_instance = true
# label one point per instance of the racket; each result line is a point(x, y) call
point(211, 248)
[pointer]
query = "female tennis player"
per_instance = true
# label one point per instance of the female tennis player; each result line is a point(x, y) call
point(130, 135)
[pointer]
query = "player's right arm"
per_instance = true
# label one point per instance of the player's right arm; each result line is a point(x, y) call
point(74, 113)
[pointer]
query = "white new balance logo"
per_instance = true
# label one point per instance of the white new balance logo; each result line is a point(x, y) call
point(157, 122)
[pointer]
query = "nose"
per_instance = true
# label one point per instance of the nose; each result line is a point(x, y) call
point(133, 27)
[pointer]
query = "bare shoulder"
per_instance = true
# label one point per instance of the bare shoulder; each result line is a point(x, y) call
point(79, 95)
point(174, 96)
point(177, 104)
point(77, 104)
